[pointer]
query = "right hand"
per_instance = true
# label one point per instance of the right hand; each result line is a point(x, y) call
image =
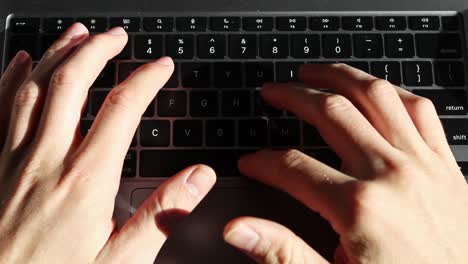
point(399, 197)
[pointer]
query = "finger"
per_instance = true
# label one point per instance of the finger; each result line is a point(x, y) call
point(15, 74)
point(142, 237)
point(68, 89)
point(315, 184)
point(29, 98)
point(269, 243)
point(377, 99)
point(361, 148)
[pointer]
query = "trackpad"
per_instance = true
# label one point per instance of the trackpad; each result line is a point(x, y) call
point(198, 238)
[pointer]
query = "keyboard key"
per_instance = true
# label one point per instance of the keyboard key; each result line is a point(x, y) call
point(357, 23)
point(424, 23)
point(287, 71)
point(258, 23)
point(204, 103)
point(85, 126)
point(450, 23)
point(324, 23)
point(191, 23)
point(158, 24)
point(126, 52)
point(196, 74)
point(57, 24)
point(438, 45)
point(258, 73)
point(449, 73)
point(126, 69)
point(188, 133)
point(291, 23)
point(94, 24)
point(387, 70)
point(225, 23)
point(417, 73)
point(390, 23)
point(463, 165)
point(148, 46)
point(129, 166)
point(155, 133)
point(368, 45)
point(253, 132)
point(274, 46)
point(46, 43)
point(262, 108)
point(211, 46)
point(106, 79)
point(236, 103)
point(149, 112)
point(456, 131)
point(219, 133)
point(336, 45)
point(27, 43)
point(172, 103)
point(446, 102)
point(228, 74)
point(326, 156)
point(25, 25)
point(243, 46)
point(180, 46)
point(311, 136)
point(284, 132)
point(130, 24)
point(361, 65)
point(97, 99)
point(173, 82)
point(305, 46)
point(399, 45)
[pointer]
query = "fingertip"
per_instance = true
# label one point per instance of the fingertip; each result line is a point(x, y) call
point(21, 58)
point(165, 61)
point(75, 31)
point(117, 31)
point(200, 180)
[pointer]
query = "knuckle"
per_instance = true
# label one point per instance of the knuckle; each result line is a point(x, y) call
point(423, 105)
point(121, 100)
point(361, 196)
point(290, 159)
point(334, 103)
point(380, 88)
point(62, 77)
point(27, 95)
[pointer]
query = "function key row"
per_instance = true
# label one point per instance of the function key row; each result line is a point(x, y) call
point(232, 23)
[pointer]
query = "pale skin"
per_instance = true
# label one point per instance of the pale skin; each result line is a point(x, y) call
point(398, 198)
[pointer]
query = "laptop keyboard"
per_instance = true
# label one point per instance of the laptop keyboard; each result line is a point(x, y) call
point(211, 112)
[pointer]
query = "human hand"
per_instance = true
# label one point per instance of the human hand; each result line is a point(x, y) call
point(399, 197)
point(57, 190)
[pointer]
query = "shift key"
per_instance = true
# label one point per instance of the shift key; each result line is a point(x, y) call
point(456, 131)
point(446, 102)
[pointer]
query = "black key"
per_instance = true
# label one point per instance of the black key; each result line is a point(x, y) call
point(196, 74)
point(258, 23)
point(357, 23)
point(236, 103)
point(188, 133)
point(219, 133)
point(94, 24)
point(424, 23)
point(46, 43)
point(126, 53)
point(149, 112)
point(387, 70)
point(368, 45)
point(106, 79)
point(305, 46)
point(85, 126)
point(125, 69)
point(463, 165)
point(130, 24)
point(243, 46)
point(361, 65)
point(284, 132)
point(155, 133)
point(129, 166)
point(446, 102)
point(57, 24)
point(449, 73)
point(97, 99)
point(262, 108)
point(417, 73)
point(25, 25)
point(211, 46)
point(390, 23)
point(25, 42)
point(225, 23)
point(253, 132)
point(148, 46)
point(287, 71)
point(258, 73)
point(311, 136)
point(204, 103)
point(336, 45)
point(158, 24)
point(173, 82)
point(191, 23)
point(438, 45)
point(274, 46)
point(180, 46)
point(291, 23)
point(324, 23)
point(228, 74)
point(399, 45)
point(172, 103)
point(456, 131)
point(154, 163)
point(326, 156)
point(450, 23)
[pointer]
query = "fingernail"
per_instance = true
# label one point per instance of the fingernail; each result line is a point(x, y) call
point(166, 61)
point(76, 30)
point(21, 57)
point(199, 181)
point(117, 31)
point(242, 237)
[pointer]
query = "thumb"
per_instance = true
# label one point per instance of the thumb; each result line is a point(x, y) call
point(269, 243)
